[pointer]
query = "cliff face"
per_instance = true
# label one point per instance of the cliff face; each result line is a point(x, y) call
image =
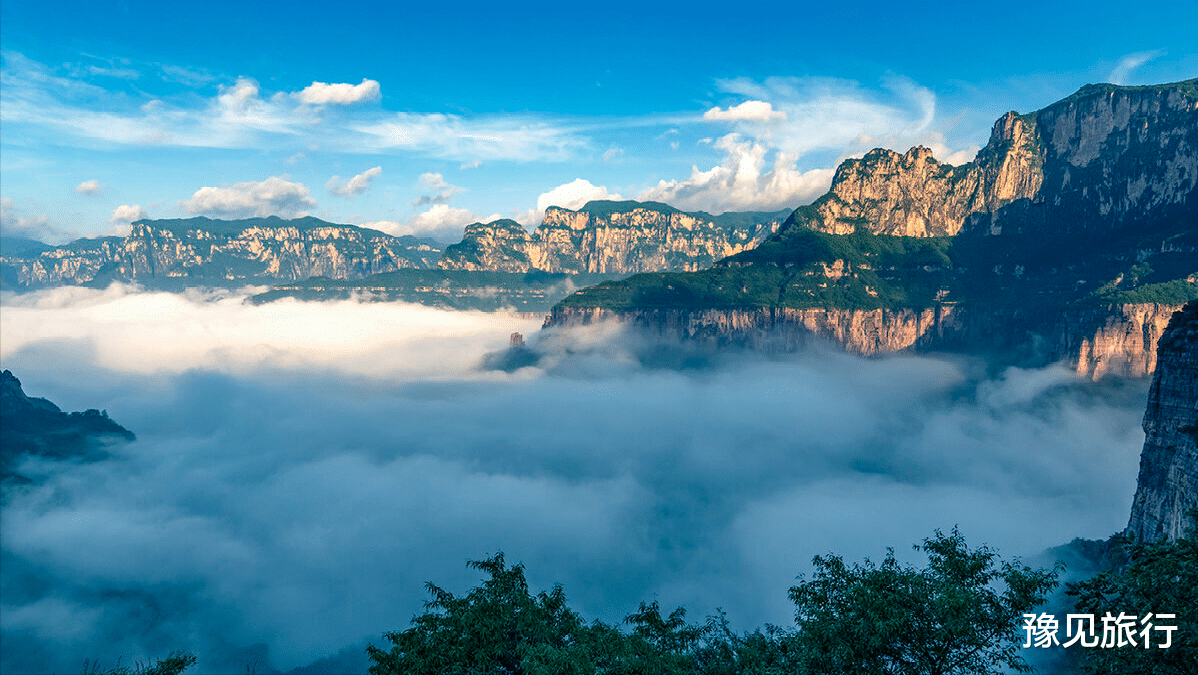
point(610, 238)
point(1167, 489)
point(201, 248)
point(1073, 234)
point(1099, 156)
point(1097, 342)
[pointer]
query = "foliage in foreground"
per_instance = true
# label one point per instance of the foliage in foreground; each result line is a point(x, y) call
point(1158, 578)
point(960, 614)
point(173, 664)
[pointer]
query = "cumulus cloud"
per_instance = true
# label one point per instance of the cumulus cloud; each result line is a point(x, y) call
point(744, 181)
point(829, 113)
point(443, 191)
point(284, 471)
point(88, 187)
point(441, 222)
point(755, 111)
point(1129, 63)
point(243, 115)
point(321, 93)
point(273, 196)
point(15, 222)
point(354, 186)
point(572, 195)
point(127, 214)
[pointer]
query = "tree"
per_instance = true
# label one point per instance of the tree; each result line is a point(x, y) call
point(1157, 578)
point(946, 619)
point(498, 627)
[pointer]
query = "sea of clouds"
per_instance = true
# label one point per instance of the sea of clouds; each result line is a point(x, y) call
point(302, 469)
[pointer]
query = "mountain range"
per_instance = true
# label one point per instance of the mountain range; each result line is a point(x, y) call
point(1072, 234)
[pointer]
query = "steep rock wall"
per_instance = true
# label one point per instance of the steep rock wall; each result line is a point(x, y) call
point(1167, 488)
point(610, 238)
point(202, 248)
point(1096, 157)
point(1097, 343)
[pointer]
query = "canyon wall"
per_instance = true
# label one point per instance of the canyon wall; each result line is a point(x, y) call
point(1167, 488)
point(1117, 340)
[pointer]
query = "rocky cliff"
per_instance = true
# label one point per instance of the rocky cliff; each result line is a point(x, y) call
point(1117, 341)
point(202, 248)
point(607, 237)
point(1103, 155)
point(1167, 489)
point(35, 426)
point(1073, 234)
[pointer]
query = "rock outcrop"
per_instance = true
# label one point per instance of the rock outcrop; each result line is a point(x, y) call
point(1167, 488)
point(1103, 155)
point(202, 248)
point(1098, 343)
point(35, 426)
point(607, 237)
point(1073, 234)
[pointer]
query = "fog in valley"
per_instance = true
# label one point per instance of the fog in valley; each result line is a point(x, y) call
point(302, 469)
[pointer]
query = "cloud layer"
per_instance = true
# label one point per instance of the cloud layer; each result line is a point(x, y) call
point(302, 469)
point(274, 196)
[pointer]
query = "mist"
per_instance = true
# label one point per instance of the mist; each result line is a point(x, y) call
point(302, 469)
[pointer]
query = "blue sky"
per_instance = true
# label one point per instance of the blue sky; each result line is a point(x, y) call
point(421, 118)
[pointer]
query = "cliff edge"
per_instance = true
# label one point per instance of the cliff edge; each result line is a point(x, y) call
point(1167, 489)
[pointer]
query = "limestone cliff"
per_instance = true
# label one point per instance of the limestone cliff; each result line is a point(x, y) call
point(1167, 489)
point(607, 237)
point(1099, 156)
point(1073, 234)
point(1097, 342)
point(202, 248)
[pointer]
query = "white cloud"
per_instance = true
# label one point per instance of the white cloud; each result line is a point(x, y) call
point(441, 222)
point(612, 153)
point(574, 194)
point(506, 137)
point(443, 190)
point(242, 115)
point(835, 114)
point(471, 164)
point(88, 187)
point(571, 195)
point(742, 182)
point(321, 93)
point(273, 196)
point(356, 185)
point(1130, 63)
point(127, 214)
point(754, 111)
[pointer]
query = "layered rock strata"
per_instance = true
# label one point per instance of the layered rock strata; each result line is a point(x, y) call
point(611, 238)
point(1118, 341)
point(1167, 488)
point(1101, 155)
point(202, 248)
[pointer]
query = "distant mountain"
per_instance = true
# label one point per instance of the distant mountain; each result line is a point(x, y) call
point(1077, 226)
point(35, 426)
point(203, 250)
point(608, 237)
